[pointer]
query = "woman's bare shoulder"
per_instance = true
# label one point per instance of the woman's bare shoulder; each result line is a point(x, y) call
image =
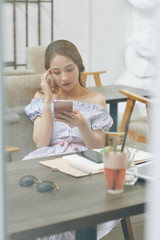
point(96, 98)
point(38, 94)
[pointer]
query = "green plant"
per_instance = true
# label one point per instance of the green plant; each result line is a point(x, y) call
point(110, 148)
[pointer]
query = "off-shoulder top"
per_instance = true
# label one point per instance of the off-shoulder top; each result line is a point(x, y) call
point(65, 139)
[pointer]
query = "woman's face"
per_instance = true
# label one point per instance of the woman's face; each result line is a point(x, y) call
point(64, 72)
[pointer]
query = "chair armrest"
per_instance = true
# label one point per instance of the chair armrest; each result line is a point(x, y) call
point(96, 76)
point(11, 149)
point(135, 96)
point(92, 73)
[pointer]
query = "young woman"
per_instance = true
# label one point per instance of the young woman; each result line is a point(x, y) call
point(83, 128)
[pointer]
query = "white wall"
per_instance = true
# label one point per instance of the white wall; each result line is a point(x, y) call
point(98, 28)
point(108, 37)
point(71, 22)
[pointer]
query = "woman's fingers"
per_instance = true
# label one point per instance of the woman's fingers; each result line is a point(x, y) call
point(71, 119)
point(46, 74)
point(64, 120)
point(46, 86)
point(64, 116)
point(69, 114)
point(45, 78)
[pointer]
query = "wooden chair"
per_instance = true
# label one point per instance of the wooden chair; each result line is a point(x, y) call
point(9, 151)
point(131, 100)
point(96, 76)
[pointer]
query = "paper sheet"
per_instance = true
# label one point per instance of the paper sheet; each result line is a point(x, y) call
point(84, 162)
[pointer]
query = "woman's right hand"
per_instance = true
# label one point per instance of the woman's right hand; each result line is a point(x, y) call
point(46, 86)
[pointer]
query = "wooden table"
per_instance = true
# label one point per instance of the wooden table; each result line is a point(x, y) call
point(79, 204)
point(113, 97)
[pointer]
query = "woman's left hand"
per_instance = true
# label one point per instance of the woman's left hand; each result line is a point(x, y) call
point(73, 119)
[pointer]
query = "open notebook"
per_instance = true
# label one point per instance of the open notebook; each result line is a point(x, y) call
point(74, 165)
point(78, 165)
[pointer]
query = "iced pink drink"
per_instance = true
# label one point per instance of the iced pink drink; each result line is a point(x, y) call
point(115, 164)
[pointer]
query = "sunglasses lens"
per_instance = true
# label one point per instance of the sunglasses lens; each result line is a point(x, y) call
point(27, 180)
point(45, 186)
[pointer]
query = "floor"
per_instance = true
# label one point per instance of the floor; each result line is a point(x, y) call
point(137, 227)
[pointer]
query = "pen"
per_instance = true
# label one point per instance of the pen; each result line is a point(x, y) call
point(80, 168)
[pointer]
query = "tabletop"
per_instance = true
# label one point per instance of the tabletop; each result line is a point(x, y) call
point(112, 94)
point(79, 203)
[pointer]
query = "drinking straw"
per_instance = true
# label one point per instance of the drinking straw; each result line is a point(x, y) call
point(115, 144)
point(111, 179)
point(117, 179)
point(124, 139)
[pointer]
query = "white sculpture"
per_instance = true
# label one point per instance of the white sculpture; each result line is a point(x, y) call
point(139, 52)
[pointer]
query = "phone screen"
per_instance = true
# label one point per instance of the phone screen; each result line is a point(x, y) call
point(62, 105)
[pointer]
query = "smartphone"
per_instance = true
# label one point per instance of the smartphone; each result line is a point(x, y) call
point(92, 155)
point(62, 105)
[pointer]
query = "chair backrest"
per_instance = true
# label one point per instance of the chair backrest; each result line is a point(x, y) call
point(35, 58)
point(19, 91)
point(131, 100)
point(111, 135)
point(96, 76)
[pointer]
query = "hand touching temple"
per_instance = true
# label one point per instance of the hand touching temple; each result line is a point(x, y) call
point(79, 130)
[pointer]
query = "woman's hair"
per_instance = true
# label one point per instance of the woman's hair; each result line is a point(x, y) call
point(64, 48)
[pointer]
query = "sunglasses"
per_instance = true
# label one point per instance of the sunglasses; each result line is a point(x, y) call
point(42, 186)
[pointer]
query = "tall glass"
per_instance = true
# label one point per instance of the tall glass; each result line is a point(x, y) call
point(115, 164)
